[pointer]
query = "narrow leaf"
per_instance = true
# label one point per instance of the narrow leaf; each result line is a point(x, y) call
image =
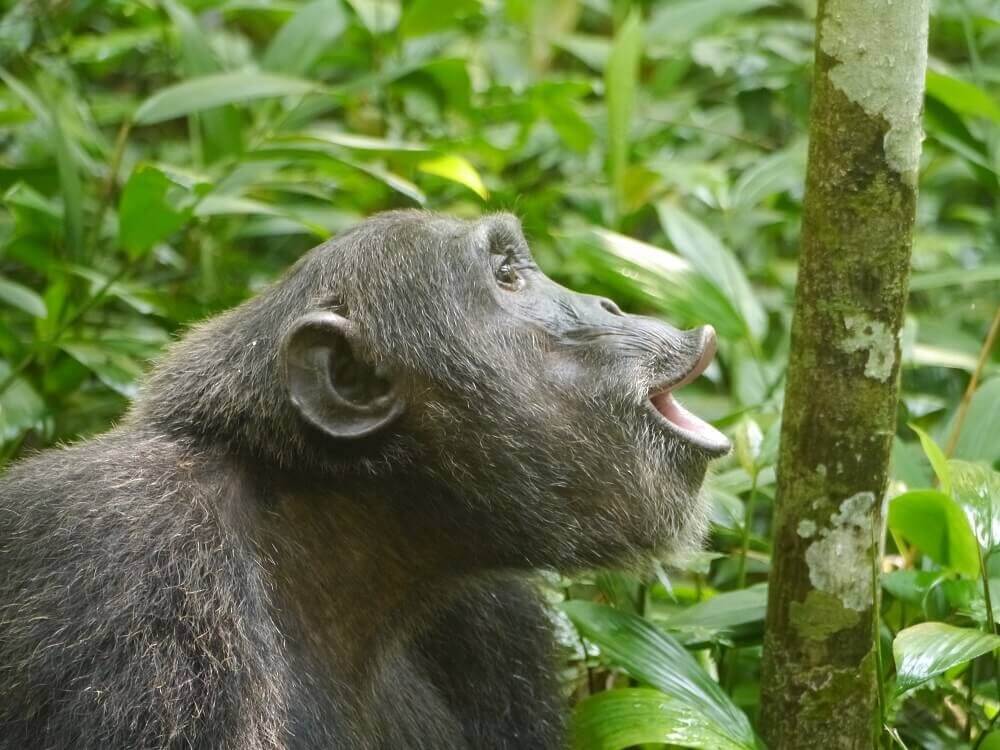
point(21, 297)
point(715, 262)
point(215, 90)
point(938, 462)
point(620, 81)
point(457, 169)
point(304, 38)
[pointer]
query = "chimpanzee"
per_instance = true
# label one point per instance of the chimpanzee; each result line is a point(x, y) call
point(316, 524)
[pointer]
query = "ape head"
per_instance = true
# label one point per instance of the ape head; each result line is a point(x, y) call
point(431, 356)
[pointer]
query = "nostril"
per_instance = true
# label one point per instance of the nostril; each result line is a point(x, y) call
point(610, 306)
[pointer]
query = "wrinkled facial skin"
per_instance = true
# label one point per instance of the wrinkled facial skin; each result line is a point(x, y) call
point(534, 407)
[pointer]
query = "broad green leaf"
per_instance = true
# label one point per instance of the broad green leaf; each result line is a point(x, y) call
point(978, 439)
point(620, 82)
point(152, 208)
point(378, 16)
point(963, 97)
point(713, 260)
point(457, 169)
point(21, 297)
point(936, 524)
point(990, 741)
point(912, 586)
point(618, 719)
point(723, 611)
point(977, 489)
point(655, 658)
point(926, 650)
point(938, 462)
point(21, 408)
point(304, 38)
point(205, 92)
point(426, 16)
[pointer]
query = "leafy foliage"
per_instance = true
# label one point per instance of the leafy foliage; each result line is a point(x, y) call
point(163, 160)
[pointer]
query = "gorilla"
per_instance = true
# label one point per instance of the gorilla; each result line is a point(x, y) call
point(317, 525)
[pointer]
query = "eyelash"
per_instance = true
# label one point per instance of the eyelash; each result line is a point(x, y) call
point(507, 275)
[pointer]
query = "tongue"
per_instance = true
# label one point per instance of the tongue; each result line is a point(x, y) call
point(698, 429)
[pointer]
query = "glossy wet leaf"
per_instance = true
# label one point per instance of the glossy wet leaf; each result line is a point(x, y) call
point(976, 486)
point(619, 719)
point(926, 650)
point(657, 659)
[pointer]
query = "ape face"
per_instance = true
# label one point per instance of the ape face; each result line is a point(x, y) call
point(547, 414)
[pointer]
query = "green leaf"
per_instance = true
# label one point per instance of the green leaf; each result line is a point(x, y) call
point(152, 208)
point(66, 164)
point(976, 486)
point(618, 719)
point(304, 38)
point(21, 297)
point(21, 408)
point(620, 82)
point(675, 23)
point(425, 16)
point(725, 611)
point(936, 524)
point(657, 659)
point(926, 650)
point(715, 262)
point(117, 371)
point(378, 16)
point(205, 92)
point(221, 126)
point(978, 439)
point(938, 462)
point(962, 97)
point(457, 169)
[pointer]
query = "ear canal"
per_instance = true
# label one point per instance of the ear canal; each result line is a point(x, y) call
point(330, 387)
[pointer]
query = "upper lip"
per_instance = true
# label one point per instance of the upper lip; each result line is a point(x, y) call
point(706, 352)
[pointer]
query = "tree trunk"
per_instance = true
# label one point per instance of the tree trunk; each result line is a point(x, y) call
point(820, 681)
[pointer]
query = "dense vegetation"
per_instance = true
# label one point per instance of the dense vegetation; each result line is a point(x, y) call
point(160, 161)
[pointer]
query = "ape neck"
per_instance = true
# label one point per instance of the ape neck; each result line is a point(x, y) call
point(355, 576)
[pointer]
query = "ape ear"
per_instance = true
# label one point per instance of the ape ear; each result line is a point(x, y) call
point(332, 389)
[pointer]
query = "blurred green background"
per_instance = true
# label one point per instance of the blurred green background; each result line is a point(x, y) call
point(161, 161)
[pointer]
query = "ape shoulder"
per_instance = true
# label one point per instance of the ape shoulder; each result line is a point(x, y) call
point(124, 599)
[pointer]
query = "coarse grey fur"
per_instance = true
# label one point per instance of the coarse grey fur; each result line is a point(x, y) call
point(218, 571)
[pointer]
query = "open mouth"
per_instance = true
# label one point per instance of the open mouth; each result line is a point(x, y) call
point(679, 420)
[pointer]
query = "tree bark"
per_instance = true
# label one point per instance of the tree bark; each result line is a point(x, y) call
point(820, 683)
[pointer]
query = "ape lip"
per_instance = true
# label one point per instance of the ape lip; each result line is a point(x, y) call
point(679, 420)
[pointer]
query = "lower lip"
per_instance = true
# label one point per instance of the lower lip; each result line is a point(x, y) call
point(686, 425)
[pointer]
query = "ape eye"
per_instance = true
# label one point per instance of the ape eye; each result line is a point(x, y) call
point(507, 276)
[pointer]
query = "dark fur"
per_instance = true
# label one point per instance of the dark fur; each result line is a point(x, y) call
point(214, 573)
